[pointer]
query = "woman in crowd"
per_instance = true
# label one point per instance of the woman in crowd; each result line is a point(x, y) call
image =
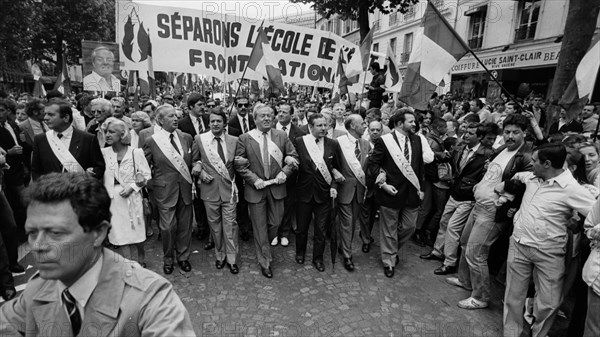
point(590, 152)
point(139, 121)
point(126, 173)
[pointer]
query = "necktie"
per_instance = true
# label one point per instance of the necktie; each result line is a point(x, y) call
point(406, 151)
point(265, 154)
point(172, 137)
point(465, 157)
point(284, 128)
point(73, 311)
point(357, 151)
point(220, 149)
point(200, 126)
point(60, 135)
point(245, 126)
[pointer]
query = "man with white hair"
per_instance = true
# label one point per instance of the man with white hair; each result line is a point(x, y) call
point(101, 109)
point(101, 78)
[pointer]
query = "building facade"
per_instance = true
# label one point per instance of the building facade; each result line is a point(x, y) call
point(306, 19)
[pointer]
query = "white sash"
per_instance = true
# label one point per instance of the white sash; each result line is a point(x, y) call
point(272, 148)
point(217, 163)
point(401, 162)
point(175, 158)
point(317, 156)
point(69, 163)
point(348, 147)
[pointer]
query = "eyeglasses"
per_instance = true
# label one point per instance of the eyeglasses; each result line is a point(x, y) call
point(211, 105)
point(245, 105)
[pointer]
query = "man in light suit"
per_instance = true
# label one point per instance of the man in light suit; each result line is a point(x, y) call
point(213, 153)
point(318, 175)
point(81, 288)
point(83, 149)
point(351, 192)
point(169, 154)
point(265, 158)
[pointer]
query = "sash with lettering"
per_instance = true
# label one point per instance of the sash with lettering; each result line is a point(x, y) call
point(401, 162)
point(317, 157)
point(217, 163)
point(68, 162)
point(175, 158)
point(348, 147)
point(273, 149)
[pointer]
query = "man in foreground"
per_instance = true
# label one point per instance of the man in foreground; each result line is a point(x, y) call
point(81, 288)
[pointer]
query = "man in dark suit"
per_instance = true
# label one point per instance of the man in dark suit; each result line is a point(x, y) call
point(351, 192)
point(34, 124)
point(194, 124)
point(213, 153)
point(169, 154)
point(318, 175)
point(284, 118)
point(401, 154)
point(65, 148)
point(265, 158)
point(242, 120)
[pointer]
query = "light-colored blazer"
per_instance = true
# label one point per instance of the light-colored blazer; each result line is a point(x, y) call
point(128, 301)
point(219, 188)
point(125, 171)
point(351, 187)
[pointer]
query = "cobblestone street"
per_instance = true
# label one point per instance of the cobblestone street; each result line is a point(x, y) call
point(300, 301)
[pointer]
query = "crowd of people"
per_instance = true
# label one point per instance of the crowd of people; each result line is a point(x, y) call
point(475, 181)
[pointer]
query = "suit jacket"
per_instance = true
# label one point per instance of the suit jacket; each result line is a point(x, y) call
point(219, 189)
point(27, 131)
point(251, 171)
point(15, 175)
point(233, 131)
point(127, 301)
point(235, 122)
point(304, 129)
point(310, 184)
point(351, 188)
point(185, 124)
point(84, 147)
point(295, 132)
point(167, 183)
point(144, 135)
point(471, 174)
point(381, 158)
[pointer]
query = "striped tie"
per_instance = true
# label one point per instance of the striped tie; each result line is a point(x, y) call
point(73, 312)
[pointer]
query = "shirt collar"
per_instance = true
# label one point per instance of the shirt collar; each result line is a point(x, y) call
point(280, 127)
point(399, 135)
point(351, 137)
point(474, 149)
point(167, 132)
point(562, 179)
point(66, 133)
point(82, 288)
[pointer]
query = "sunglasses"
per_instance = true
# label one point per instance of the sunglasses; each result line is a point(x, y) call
point(245, 105)
point(211, 105)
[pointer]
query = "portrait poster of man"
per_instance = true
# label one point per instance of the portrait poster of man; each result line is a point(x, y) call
point(100, 66)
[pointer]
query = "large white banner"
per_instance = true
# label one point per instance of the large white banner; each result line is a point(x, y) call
point(219, 45)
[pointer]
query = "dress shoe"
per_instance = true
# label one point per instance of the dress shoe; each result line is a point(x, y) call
point(300, 259)
point(245, 236)
point(219, 264)
point(185, 265)
point(284, 242)
point(366, 247)
point(233, 268)
point(149, 233)
point(274, 242)
point(431, 256)
point(388, 271)
point(445, 270)
point(9, 294)
point(319, 266)
point(168, 269)
point(266, 272)
point(17, 268)
point(209, 246)
point(348, 264)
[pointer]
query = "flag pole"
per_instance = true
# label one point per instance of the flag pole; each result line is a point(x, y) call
point(244, 73)
point(439, 15)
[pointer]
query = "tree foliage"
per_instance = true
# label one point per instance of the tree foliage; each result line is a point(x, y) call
point(358, 9)
point(35, 30)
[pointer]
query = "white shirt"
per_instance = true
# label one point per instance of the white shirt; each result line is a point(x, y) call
point(428, 155)
point(176, 138)
point(320, 144)
point(66, 136)
point(197, 124)
point(214, 144)
point(278, 126)
point(157, 128)
point(83, 288)
point(261, 142)
point(241, 119)
point(302, 121)
point(95, 82)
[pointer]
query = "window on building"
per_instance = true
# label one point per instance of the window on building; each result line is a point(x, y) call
point(410, 13)
point(376, 25)
point(476, 27)
point(393, 45)
point(529, 15)
point(408, 44)
point(393, 18)
point(375, 47)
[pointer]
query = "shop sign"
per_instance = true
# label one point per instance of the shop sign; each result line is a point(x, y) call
point(509, 59)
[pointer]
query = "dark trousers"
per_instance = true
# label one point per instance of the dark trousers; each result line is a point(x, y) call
point(304, 213)
point(289, 212)
point(243, 218)
point(15, 196)
point(8, 229)
point(368, 210)
point(6, 279)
